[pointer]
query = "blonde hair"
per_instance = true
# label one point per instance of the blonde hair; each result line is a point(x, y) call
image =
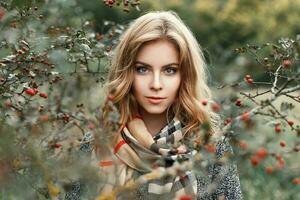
point(150, 27)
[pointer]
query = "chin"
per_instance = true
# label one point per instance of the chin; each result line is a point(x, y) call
point(155, 110)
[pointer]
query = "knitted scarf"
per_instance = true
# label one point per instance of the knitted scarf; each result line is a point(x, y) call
point(140, 153)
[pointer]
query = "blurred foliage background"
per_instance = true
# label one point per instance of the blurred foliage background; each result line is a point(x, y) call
point(220, 26)
point(70, 31)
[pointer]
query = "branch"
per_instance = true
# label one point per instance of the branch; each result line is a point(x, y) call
point(276, 79)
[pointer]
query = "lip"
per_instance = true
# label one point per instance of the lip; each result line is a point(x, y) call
point(155, 100)
point(152, 97)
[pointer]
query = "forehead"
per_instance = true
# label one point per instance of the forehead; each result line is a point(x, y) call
point(158, 52)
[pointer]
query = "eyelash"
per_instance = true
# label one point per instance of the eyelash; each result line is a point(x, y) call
point(142, 67)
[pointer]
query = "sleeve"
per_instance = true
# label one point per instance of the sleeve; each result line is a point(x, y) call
point(220, 180)
point(107, 170)
point(85, 149)
point(225, 174)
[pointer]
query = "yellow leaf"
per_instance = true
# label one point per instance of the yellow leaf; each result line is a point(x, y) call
point(107, 196)
point(53, 190)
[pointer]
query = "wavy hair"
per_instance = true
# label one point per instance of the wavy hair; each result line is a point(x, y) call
point(193, 89)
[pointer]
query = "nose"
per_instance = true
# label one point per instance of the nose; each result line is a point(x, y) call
point(156, 83)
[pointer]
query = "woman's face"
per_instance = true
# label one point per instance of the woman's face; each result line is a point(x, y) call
point(156, 74)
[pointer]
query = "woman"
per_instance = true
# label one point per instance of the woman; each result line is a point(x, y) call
point(157, 81)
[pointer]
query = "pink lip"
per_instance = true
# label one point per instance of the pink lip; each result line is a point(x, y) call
point(155, 100)
point(152, 97)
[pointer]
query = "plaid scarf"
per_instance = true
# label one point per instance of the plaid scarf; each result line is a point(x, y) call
point(167, 148)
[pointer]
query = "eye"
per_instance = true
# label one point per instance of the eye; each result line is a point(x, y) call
point(141, 69)
point(171, 70)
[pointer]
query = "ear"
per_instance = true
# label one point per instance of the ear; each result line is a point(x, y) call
point(139, 130)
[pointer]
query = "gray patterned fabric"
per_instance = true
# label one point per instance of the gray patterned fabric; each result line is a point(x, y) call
point(220, 181)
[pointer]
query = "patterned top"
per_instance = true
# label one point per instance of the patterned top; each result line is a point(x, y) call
point(225, 175)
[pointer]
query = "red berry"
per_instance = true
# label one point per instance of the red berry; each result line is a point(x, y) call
point(20, 52)
point(30, 92)
point(110, 97)
point(250, 80)
point(282, 143)
point(44, 118)
point(227, 121)
point(290, 122)
point(262, 152)
point(215, 107)
point(296, 181)
point(204, 102)
point(210, 148)
point(243, 145)
point(245, 116)
point(287, 63)
point(66, 117)
point(2, 12)
point(281, 163)
point(186, 197)
point(269, 169)
point(91, 126)
point(110, 2)
point(277, 129)
point(238, 102)
point(278, 156)
point(254, 160)
point(55, 145)
point(44, 95)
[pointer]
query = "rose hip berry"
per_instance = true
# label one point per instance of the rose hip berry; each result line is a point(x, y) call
point(238, 102)
point(269, 169)
point(44, 95)
point(245, 116)
point(30, 92)
point(282, 143)
point(290, 122)
point(227, 121)
point(287, 63)
point(254, 160)
point(248, 79)
point(296, 181)
point(204, 102)
point(243, 145)
point(215, 107)
point(277, 129)
point(186, 197)
point(262, 152)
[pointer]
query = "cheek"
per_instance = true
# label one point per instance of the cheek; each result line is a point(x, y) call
point(174, 86)
point(137, 86)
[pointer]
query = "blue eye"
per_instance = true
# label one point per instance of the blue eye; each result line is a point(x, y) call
point(171, 70)
point(144, 69)
point(141, 69)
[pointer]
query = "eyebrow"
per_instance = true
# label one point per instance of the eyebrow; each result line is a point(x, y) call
point(140, 62)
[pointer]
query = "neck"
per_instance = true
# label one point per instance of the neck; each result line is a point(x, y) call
point(154, 122)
